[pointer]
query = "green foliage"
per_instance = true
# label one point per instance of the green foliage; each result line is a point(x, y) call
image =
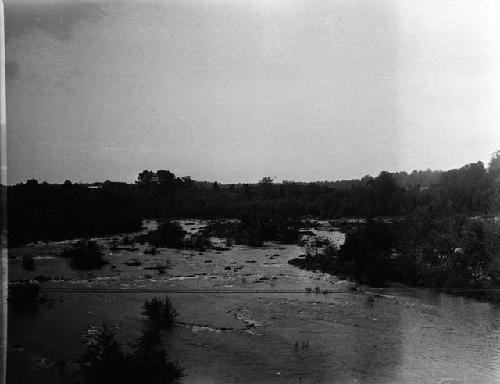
point(364, 256)
point(104, 361)
point(44, 211)
point(436, 252)
point(149, 361)
point(168, 234)
point(318, 258)
point(255, 230)
point(494, 164)
point(160, 312)
point(85, 254)
point(454, 253)
point(469, 189)
point(198, 241)
point(366, 252)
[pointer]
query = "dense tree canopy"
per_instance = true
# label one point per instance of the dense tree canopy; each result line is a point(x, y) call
point(39, 211)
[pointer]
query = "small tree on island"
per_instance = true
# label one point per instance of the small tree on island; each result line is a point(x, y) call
point(104, 361)
point(160, 312)
point(168, 234)
point(85, 254)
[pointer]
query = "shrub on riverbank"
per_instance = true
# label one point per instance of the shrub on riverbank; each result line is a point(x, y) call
point(318, 259)
point(365, 255)
point(168, 234)
point(254, 231)
point(198, 242)
point(454, 253)
point(85, 254)
point(451, 253)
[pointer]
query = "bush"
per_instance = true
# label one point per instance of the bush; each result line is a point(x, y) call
point(288, 235)
point(254, 231)
point(160, 312)
point(104, 361)
point(365, 255)
point(198, 242)
point(323, 259)
point(149, 360)
point(85, 254)
point(168, 234)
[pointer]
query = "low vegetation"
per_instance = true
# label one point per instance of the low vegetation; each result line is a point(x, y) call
point(267, 210)
point(458, 253)
point(168, 235)
point(85, 254)
point(198, 242)
point(322, 259)
point(104, 360)
point(42, 211)
point(255, 230)
point(160, 312)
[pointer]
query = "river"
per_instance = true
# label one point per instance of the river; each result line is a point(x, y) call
point(229, 332)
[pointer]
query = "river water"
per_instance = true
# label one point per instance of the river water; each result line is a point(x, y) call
point(232, 333)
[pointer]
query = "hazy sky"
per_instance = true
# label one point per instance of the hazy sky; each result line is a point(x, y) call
point(237, 90)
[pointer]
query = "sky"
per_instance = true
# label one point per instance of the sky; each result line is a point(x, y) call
point(233, 91)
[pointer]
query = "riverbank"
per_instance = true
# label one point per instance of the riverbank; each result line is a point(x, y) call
point(454, 254)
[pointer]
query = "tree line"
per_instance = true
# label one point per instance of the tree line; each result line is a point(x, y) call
point(43, 211)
